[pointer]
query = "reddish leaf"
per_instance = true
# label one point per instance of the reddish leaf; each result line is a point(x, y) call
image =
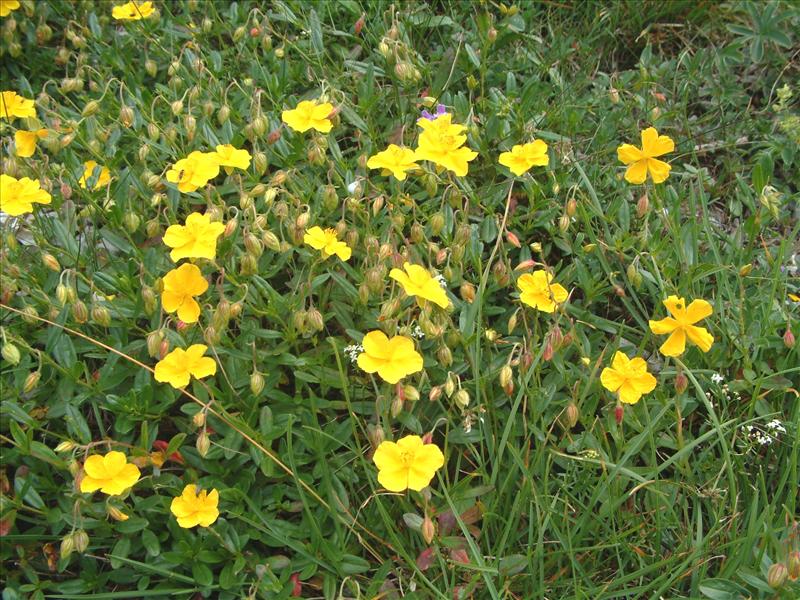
point(425, 559)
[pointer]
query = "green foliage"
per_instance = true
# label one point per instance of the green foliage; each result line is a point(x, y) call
point(679, 500)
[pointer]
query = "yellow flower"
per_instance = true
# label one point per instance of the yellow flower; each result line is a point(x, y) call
point(643, 161)
point(230, 158)
point(6, 6)
point(18, 195)
point(132, 11)
point(103, 178)
point(25, 141)
point(523, 157)
point(408, 464)
point(112, 474)
point(180, 285)
point(794, 297)
point(194, 171)
point(309, 114)
point(13, 105)
point(628, 377)
point(441, 142)
point(326, 242)
point(394, 161)
point(196, 239)
point(538, 291)
point(195, 507)
point(392, 359)
point(177, 367)
point(417, 281)
point(682, 325)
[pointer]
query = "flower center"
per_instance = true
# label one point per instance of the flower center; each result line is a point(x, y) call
point(406, 456)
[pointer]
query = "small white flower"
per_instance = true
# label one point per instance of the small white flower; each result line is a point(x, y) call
point(442, 281)
point(351, 187)
point(717, 378)
point(353, 351)
point(417, 332)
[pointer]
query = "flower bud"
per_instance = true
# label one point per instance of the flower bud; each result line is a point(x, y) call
point(437, 223)
point(239, 33)
point(256, 383)
point(203, 443)
point(51, 262)
point(681, 382)
point(397, 406)
point(613, 95)
point(571, 208)
point(642, 206)
point(375, 435)
point(506, 379)
point(314, 320)
point(151, 67)
point(154, 343)
point(116, 513)
point(411, 393)
point(793, 565)
point(131, 221)
point(230, 227)
point(66, 446)
point(177, 107)
point(435, 393)
point(467, 291)
point(776, 576)
point(90, 108)
point(81, 541)
point(619, 413)
point(427, 529)
point(788, 338)
point(384, 49)
point(31, 381)
point(249, 265)
point(253, 245)
point(572, 414)
point(148, 300)
point(67, 546)
point(11, 353)
point(563, 223)
point(271, 241)
point(259, 126)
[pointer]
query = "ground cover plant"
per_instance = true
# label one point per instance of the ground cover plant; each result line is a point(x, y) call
point(376, 300)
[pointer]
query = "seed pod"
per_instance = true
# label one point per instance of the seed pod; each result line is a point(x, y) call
point(150, 67)
point(411, 393)
point(363, 293)
point(29, 315)
point(177, 107)
point(79, 311)
point(203, 443)
point(793, 564)
point(260, 163)
point(154, 343)
point(101, 316)
point(199, 418)
point(239, 33)
point(248, 266)
point(11, 353)
point(427, 529)
point(67, 546)
point(375, 435)
point(461, 398)
point(257, 383)
point(397, 406)
point(131, 221)
point(230, 227)
point(506, 379)
point(445, 356)
point(435, 393)
point(271, 241)
point(223, 114)
point(572, 414)
point(253, 245)
point(81, 541)
point(563, 223)
point(90, 108)
point(148, 300)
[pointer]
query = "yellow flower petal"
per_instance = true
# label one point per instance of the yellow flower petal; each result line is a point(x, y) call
point(675, 344)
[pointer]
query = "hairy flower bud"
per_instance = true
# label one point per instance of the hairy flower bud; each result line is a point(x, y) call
point(67, 546)
point(79, 311)
point(81, 541)
point(90, 108)
point(461, 398)
point(572, 414)
point(788, 338)
point(467, 291)
point(100, 315)
point(427, 529)
point(506, 379)
point(223, 114)
point(148, 299)
point(681, 382)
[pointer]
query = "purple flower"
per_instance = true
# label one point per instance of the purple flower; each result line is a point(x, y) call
point(440, 110)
